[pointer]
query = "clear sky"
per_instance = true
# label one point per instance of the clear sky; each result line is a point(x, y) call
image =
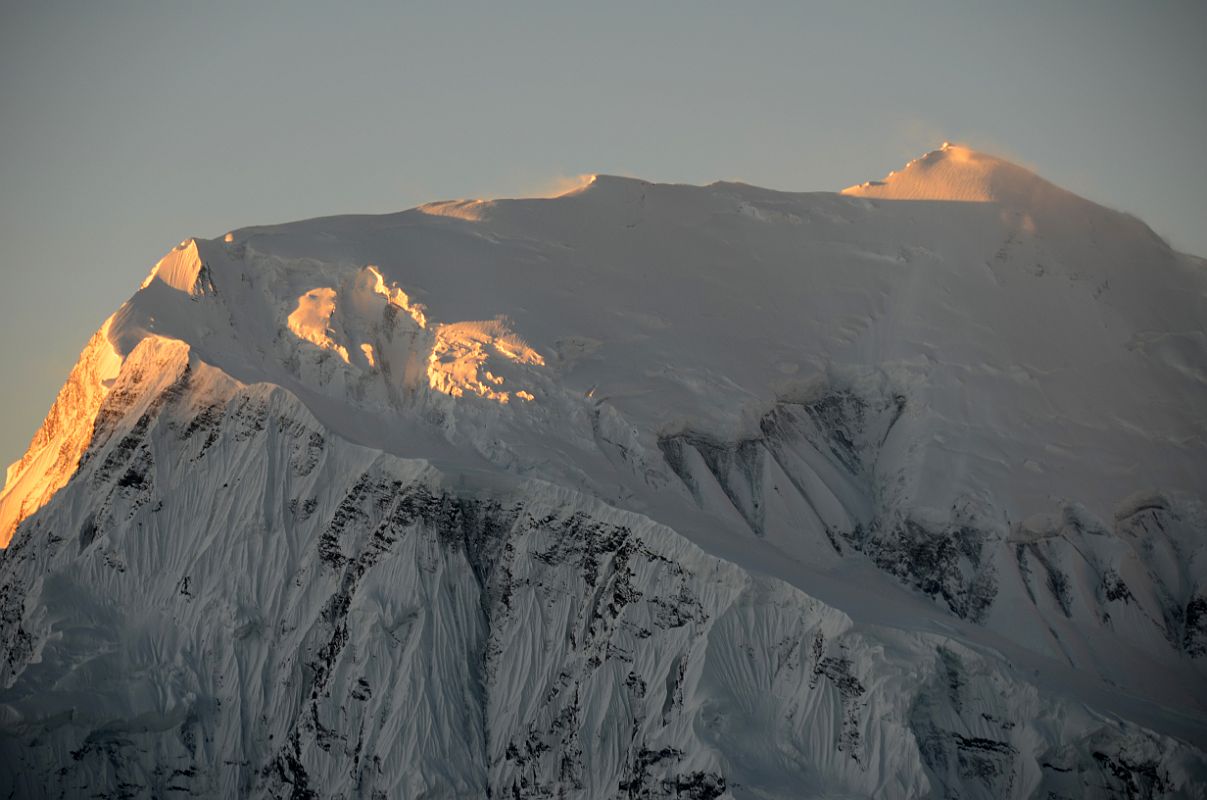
point(126, 127)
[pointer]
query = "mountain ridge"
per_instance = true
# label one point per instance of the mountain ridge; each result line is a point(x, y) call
point(947, 433)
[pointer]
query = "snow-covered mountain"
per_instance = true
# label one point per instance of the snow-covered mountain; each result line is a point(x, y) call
point(644, 491)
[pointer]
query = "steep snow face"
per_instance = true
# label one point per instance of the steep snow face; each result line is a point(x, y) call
point(228, 600)
point(654, 489)
point(182, 269)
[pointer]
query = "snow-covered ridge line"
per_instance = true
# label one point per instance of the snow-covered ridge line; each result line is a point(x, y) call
point(59, 443)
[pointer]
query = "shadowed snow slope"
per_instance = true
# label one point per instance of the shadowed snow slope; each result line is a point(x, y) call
point(643, 490)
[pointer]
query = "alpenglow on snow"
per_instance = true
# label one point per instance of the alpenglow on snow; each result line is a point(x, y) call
point(641, 491)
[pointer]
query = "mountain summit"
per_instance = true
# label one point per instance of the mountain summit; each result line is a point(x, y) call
point(959, 174)
point(644, 490)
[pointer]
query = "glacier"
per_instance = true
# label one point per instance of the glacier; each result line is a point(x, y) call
point(643, 490)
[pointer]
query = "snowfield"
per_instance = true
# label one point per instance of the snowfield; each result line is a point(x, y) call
point(641, 491)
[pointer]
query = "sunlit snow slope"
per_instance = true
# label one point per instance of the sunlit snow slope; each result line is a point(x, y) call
point(644, 490)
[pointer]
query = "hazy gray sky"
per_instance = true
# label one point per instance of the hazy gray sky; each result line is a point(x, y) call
point(126, 127)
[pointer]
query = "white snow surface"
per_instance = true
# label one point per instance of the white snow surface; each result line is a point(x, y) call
point(642, 490)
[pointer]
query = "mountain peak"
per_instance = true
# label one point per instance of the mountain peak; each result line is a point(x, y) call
point(958, 173)
point(653, 486)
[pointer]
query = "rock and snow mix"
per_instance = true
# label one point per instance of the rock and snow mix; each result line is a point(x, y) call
point(643, 490)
